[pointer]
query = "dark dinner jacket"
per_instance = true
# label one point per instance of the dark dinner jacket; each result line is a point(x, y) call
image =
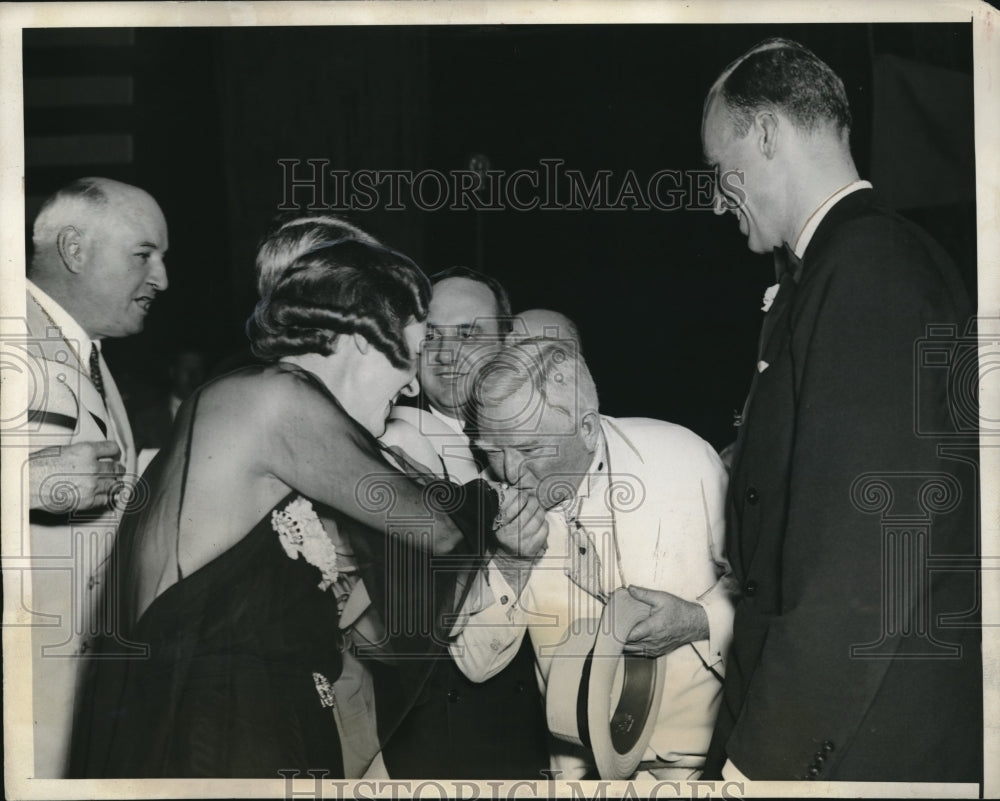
point(846, 461)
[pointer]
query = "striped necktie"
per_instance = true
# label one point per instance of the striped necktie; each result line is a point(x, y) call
point(95, 372)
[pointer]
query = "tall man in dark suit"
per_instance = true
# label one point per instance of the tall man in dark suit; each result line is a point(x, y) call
point(841, 668)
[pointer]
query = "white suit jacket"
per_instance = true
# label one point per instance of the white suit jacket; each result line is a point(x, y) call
point(661, 495)
point(68, 552)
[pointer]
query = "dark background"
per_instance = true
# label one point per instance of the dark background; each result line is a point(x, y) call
point(668, 302)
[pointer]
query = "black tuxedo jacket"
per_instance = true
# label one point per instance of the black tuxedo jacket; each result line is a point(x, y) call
point(852, 523)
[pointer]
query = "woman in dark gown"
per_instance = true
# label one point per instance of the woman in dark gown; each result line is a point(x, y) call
point(224, 581)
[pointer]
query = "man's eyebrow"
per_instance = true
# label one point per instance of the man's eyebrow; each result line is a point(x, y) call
point(152, 245)
point(502, 442)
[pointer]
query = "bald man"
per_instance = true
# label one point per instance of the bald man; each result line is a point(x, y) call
point(97, 268)
point(543, 324)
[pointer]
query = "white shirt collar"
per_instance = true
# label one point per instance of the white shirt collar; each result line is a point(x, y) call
point(453, 423)
point(69, 328)
point(805, 237)
point(597, 471)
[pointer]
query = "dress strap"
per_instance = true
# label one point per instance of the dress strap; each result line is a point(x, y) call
point(184, 477)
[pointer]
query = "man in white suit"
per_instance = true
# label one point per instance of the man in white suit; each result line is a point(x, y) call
point(631, 503)
point(97, 267)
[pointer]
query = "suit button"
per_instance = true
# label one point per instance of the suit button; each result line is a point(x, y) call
point(752, 495)
point(750, 588)
point(827, 746)
point(812, 773)
point(519, 687)
point(453, 696)
point(819, 759)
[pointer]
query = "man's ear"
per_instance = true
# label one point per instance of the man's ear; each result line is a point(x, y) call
point(590, 428)
point(70, 246)
point(766, 128)
point(361, 343)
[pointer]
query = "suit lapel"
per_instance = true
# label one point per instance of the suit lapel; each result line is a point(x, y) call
point(775, 336)
point(632, 520)
point(775, 320)
point(64, 364)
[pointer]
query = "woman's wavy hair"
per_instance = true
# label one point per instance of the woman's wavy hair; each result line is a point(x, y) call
point(290, 235)
point(344, 286)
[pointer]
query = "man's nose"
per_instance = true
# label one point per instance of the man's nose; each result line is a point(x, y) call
point(438, 352)
point(158, 275)
point(512, 461)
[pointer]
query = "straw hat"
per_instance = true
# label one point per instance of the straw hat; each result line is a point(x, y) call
point(607, 701)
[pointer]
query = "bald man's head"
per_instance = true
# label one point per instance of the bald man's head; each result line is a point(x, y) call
point(543, 324)
point(99, 249)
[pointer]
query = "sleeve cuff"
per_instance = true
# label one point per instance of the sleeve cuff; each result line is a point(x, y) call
point(731, 773)
point(502, 593)
point(490, 628)
point(719, 609)
point(490, 600)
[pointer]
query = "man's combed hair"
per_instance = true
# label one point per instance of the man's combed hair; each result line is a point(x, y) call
point(554, 370)
point(504, 314)
point(784, 75)
point(67, 206)
point(345, 287)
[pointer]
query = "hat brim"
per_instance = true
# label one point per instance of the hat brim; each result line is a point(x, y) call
point(608, 701)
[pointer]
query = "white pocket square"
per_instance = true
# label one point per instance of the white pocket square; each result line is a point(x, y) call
point(762, 366)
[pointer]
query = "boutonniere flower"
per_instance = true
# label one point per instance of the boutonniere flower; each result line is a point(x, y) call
point(301, 533)
point(769, 295)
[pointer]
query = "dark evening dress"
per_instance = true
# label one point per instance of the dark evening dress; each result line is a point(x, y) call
point(239, 655)
point(229, 672)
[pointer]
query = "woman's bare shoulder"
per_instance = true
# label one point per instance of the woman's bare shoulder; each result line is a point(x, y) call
point(262, 390)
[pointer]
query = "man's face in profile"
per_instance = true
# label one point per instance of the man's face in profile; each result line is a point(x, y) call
point(463, 329)
point(125, 267)
point(743, 178)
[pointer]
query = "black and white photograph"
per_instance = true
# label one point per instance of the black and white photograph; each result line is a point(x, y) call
point(484, 400)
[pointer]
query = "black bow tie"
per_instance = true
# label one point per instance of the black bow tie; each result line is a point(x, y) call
point(787, 263)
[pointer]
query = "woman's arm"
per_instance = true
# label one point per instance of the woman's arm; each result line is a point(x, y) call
point(311, 445)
